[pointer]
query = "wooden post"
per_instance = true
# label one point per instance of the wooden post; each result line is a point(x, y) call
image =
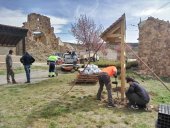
point(116, 33)
point(122, 57)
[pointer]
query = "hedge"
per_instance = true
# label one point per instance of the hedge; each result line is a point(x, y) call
point(105, 63)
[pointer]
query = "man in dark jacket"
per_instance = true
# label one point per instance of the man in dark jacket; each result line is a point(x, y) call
point(136, 94)
point(10, 71)
point(27, 60)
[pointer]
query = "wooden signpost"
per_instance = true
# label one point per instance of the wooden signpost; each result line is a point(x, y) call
point(116, 34)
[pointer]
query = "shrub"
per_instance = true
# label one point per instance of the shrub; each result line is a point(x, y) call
point(105, 63)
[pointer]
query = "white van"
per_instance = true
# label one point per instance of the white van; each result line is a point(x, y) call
point(68, 58)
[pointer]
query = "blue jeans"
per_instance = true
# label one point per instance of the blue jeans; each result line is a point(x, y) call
point(27, 71)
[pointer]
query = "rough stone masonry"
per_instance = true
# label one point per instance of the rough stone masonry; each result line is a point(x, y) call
point(41, 40)
point(154, 46)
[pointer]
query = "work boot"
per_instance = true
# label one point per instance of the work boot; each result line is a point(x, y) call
point(50, 74)
point(14, 82)
point(111, 105)
point(28, 82)
point(53, 74)
point(142, 106)
point(135, 107)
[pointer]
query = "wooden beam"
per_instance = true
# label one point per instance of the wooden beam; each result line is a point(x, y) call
point(123, 69)
point(104, 38)
point(113, 40)
point(114, 36)
point(115, 29)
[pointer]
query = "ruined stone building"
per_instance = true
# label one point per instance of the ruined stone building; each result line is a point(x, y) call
point(154, 46)
point(41, 40)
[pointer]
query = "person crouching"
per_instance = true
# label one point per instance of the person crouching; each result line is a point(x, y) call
point(136, 94)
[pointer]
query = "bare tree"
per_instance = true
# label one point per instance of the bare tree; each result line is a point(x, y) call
point(87, 33)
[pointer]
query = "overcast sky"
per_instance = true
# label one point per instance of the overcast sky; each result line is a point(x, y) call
point(103, 12)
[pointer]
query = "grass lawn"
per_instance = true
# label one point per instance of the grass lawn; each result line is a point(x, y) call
point(43, 105)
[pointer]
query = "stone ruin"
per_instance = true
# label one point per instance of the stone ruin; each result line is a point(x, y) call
point(154, 46)
point(41, 40)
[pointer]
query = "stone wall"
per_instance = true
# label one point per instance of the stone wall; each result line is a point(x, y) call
point(154, 46)
point(41, 40)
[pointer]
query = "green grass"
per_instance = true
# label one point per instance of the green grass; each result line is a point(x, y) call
point(43, 105)
point(2, 72)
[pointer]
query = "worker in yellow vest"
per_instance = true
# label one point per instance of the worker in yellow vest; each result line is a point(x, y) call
point(51, 61)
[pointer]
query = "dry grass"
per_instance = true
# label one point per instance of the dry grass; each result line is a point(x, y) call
point(42, 105)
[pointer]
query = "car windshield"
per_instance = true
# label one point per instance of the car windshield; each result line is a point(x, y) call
point(67, 56)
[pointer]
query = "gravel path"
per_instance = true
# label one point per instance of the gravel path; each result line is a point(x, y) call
point(36, 76)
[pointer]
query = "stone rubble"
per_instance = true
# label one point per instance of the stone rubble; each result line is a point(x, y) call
point(41, 40)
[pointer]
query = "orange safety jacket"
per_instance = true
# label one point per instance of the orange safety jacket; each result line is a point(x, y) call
point(111, 70)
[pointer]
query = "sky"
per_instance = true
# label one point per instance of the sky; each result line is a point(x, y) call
point(63, 13)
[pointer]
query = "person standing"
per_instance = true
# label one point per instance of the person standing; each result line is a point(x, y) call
point(137, 95)
point(74, 56)
point(27, 60)
point(9, 68)
point(104, 79)
point(51, 61)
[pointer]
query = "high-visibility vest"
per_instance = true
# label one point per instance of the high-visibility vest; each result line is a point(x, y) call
point(52, 58)
point(111, 70)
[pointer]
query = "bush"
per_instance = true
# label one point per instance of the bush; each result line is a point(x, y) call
point(131, 64)
point(106, 63)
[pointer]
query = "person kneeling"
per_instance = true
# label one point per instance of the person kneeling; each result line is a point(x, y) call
point(137, 95)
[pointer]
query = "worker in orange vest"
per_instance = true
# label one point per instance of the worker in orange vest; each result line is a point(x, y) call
point(104, 79)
